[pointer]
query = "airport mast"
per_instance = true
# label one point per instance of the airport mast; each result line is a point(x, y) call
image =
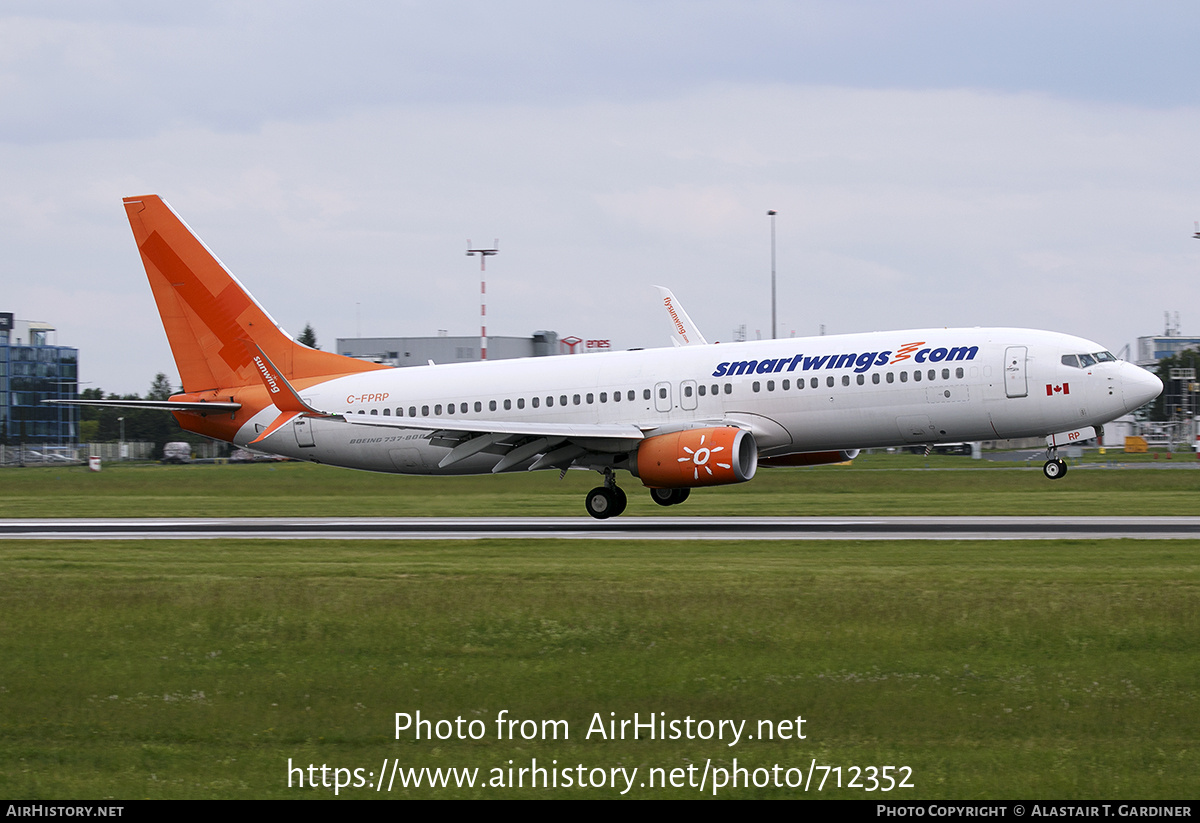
point(484, 254)
point(771, 214)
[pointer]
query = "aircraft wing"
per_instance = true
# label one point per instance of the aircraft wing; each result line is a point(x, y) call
point(624, 431)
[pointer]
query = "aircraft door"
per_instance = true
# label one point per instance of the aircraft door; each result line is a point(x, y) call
point(304, 432)
point(662, 397)
point(1015, 383)
point(687, 395)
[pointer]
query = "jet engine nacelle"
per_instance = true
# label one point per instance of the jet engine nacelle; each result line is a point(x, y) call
point(697, 457)
point(811, 458)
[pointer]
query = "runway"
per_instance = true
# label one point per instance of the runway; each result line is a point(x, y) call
point(628, 528)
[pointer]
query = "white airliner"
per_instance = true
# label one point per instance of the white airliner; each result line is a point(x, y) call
point(676, 419)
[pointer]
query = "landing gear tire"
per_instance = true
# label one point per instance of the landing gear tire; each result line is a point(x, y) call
point(669, 497)
point(622, 501)
point(1054, 469)
point(603, 503)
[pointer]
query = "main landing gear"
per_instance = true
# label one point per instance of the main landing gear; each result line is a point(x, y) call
point(1054, 468)
point(669, 497)
point(606, 501)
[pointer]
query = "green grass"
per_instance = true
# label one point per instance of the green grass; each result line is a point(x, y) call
point(873, 485)
point(993, 669)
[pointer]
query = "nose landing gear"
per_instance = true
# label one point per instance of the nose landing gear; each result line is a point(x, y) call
point(1054, 468)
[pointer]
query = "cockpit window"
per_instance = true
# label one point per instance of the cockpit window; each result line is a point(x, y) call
point(1082, 361)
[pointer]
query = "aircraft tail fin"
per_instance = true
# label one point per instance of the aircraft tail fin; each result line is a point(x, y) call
point(208, 314)
point(683, 330)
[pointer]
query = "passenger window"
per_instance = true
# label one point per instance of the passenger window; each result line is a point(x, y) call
point(729, 388)
point(800, 384)
point(945, 374)
point(813, 382)
point(575, 399)
point(701, 389)
point(424, 411)
point(535, 401)
point(507, 405)
point(845, 380)
point(875, 378)
point(829, 381)
point(932, 374)
point(549, 401)
point(479, 406)
point(754, 386)
point(603, 397)
point(633, 395)
point(412, 411)
point(861, 379)
point(520, 402)
point(491, 405)
point(616, 397)
point(437, 410)
point(374, 411)
point(891, 377)
point(591, 398)
point(958, 372)
point(687, 391)
point(645, 394)
point(916, 375)
point(787, 384)
point(903, 377)
point(463, 408)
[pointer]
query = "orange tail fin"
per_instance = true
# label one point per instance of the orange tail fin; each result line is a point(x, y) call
point(207, 313)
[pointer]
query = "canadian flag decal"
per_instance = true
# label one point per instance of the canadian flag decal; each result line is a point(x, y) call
point(1052, 390)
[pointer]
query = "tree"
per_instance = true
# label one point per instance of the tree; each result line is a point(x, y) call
point(309, 337)
point(1186, 359)
point(160, 389)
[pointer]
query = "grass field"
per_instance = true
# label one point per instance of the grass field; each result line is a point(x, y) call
point(196, 669)
point(873, 485)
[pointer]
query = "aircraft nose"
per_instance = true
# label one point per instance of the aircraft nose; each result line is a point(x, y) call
point(1139, 386)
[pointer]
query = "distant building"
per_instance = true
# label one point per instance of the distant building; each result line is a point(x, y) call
point(1152, 349)
point(33, 369)
point(418, 351)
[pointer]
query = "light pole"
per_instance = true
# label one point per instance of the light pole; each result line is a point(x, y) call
point(484, 254)
point(771, 214)
point(121, 448)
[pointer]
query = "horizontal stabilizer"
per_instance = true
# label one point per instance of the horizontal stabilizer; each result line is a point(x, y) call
point(202, 407)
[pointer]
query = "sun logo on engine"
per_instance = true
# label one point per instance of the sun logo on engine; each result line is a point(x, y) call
point(700, 457)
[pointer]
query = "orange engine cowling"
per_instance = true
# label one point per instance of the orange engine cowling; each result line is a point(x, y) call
point(811, 458)
point(697, 457)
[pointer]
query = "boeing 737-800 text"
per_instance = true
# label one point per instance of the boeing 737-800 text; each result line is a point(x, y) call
point(679, 418)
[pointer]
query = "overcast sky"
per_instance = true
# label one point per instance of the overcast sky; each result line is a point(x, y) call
point(932, 163)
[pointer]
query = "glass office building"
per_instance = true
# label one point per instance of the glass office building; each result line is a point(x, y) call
point(33, 370)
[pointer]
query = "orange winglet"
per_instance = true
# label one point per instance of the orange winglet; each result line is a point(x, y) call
point(280, 390)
